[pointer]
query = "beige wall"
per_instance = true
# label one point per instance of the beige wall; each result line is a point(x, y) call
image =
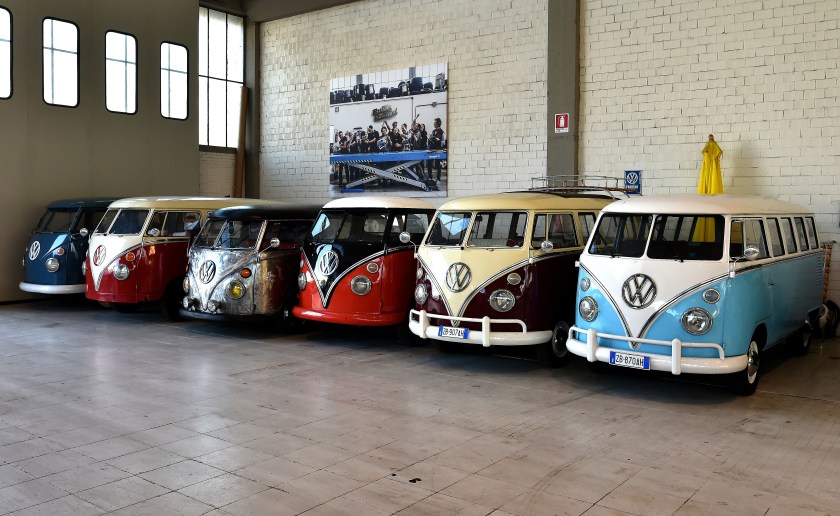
point(658, 77)
point(54, 152)
point(496, 50)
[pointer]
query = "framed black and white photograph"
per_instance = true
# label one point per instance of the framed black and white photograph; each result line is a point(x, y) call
point(388, 132)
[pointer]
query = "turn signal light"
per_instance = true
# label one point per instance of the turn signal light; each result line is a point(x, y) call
point(245, 273)
point(130, 256)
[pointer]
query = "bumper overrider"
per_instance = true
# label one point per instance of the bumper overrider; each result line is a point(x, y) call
point(675, 362)
point(418, 323)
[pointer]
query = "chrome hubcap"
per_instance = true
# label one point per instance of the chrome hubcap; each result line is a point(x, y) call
point(752, 362)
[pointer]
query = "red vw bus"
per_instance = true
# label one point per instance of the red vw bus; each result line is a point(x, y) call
point(354, 269)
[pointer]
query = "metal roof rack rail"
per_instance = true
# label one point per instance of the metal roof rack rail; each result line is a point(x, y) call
point(580, 184)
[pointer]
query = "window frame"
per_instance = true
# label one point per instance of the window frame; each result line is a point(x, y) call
point(170, 71)
point(11, 53)
point(78, 55)
point(776, 237)
point(206, 78)
point(136, 64)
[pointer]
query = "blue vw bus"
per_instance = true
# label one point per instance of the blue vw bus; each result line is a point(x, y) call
point(53, 259)
point(698, 284)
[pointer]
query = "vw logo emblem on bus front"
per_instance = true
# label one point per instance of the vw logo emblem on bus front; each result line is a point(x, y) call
point(328, 263)
point(207, 271)
point(34, 250)
point(99, 255)
point(458, 276)
point(638, 291)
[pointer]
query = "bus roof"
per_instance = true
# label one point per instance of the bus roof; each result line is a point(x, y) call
point(186, 203)
point(528, 201)
point(697, 204)
point(82, 202)
point(269, 212)
point(380, 202)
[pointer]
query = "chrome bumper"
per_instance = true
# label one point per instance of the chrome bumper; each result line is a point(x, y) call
point(52, 289)
point(423, 329)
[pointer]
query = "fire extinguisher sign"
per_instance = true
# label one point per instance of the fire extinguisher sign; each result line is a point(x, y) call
point(561, 123)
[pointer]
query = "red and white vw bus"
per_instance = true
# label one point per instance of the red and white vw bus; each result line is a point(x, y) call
point(354, 269)
point(138, 252)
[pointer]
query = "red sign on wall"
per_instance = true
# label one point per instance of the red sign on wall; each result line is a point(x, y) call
point(561, 123)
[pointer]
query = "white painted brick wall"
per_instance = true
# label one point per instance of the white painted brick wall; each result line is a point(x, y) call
point(496, 50)
point(658, 76)
point(216, 173)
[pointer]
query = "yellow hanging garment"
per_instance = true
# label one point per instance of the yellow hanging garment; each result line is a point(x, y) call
point(711, 178)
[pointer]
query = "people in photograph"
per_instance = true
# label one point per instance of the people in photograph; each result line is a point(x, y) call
point(436, 140)
point(372, 139)
point(397, 141)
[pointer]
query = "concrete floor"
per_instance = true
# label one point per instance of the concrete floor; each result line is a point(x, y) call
point(101, 411)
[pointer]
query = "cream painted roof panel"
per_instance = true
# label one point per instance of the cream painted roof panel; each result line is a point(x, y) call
point(526, 201)
point(697, 204)
point(379, 202)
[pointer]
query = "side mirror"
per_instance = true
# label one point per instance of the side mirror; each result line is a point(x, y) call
point(154, 232)
point(274, 243)
point(547, 246)
point(751, 253)
point(405, 237)
point(84, 232)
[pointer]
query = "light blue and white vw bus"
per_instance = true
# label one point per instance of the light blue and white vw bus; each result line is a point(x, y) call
point(698, 284)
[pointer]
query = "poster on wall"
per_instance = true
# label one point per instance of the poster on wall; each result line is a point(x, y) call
point(388, 133)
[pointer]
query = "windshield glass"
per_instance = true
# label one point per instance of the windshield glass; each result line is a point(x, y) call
point(687, 237)
point(129, 222)
point(449, 229)
point(57, 220)
point(621, 234)
point(208, 234)
point(106, 221)
point(498, 229)
point(237, 234)
point(326, 227)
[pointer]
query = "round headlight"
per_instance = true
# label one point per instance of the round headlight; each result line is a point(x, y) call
point(588, 309)
point(711, 296)
point(502, 300)
point(360, 285)
point(121, 271)
point(302, 280)
point(514, 278)
point(585, 284)
point(236, 289)
point(372, 267)
point(421, 295)
point(419, 272)
point(186, 285)
point(51, 264)
point(696, 321)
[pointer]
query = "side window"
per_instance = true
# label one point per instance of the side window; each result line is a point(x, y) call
point(155, 227)
point(811, 229)
point(787, 232)
point(561, 230)
point(775, 235)
point(180, 223)
point(539, 234)
point(747, 233)
point(120, 72)
point(291, 233)
point(173, 81)
point(587, 222)
point(5, 53)
point(61, 63)
point(800, 231)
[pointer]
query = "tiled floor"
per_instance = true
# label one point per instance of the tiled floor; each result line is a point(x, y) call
point(101, 412)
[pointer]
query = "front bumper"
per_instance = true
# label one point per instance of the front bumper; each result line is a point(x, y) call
point(355, 319)
point(486, 337)
point(52, 289)
point(674, 363)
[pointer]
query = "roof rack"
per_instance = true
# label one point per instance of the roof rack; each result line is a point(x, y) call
point(577, 184)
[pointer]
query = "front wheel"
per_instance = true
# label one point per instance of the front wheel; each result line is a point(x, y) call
point(554, 353)
point(745, 382)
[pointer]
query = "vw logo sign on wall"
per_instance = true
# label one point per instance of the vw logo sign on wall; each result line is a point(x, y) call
point(327, 263)
point(99, 255)
point(34, 250)
point(638, 291)
point(458, 276)
point(207, 271)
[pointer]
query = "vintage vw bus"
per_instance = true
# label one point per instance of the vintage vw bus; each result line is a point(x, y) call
point(698, 284)
point(498, 270)
point(52, 262)
point(354, 268)
point(245, 261)
point(138, 252)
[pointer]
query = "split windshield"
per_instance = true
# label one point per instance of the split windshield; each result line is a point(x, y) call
point(449, 228)
point(123, 222)
point(54, 221)
point(672, 237)
point(366, 227)
point(230, 234)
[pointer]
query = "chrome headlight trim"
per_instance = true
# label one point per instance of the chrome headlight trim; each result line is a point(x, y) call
point(372, 267)
point(236, 289)
point(301, 280)
point(186, 285)
point(588, 308)
point(52, 264)
point(696, 321)
point(360, 285)
point(421, 295)
point(121, 271)
point(502, 300)
point(585, 283)
point(514, 279)
point(419, 272)
point(711, 296)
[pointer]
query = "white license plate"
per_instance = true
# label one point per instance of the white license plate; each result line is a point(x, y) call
point(625, 360)
point(448, 331)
